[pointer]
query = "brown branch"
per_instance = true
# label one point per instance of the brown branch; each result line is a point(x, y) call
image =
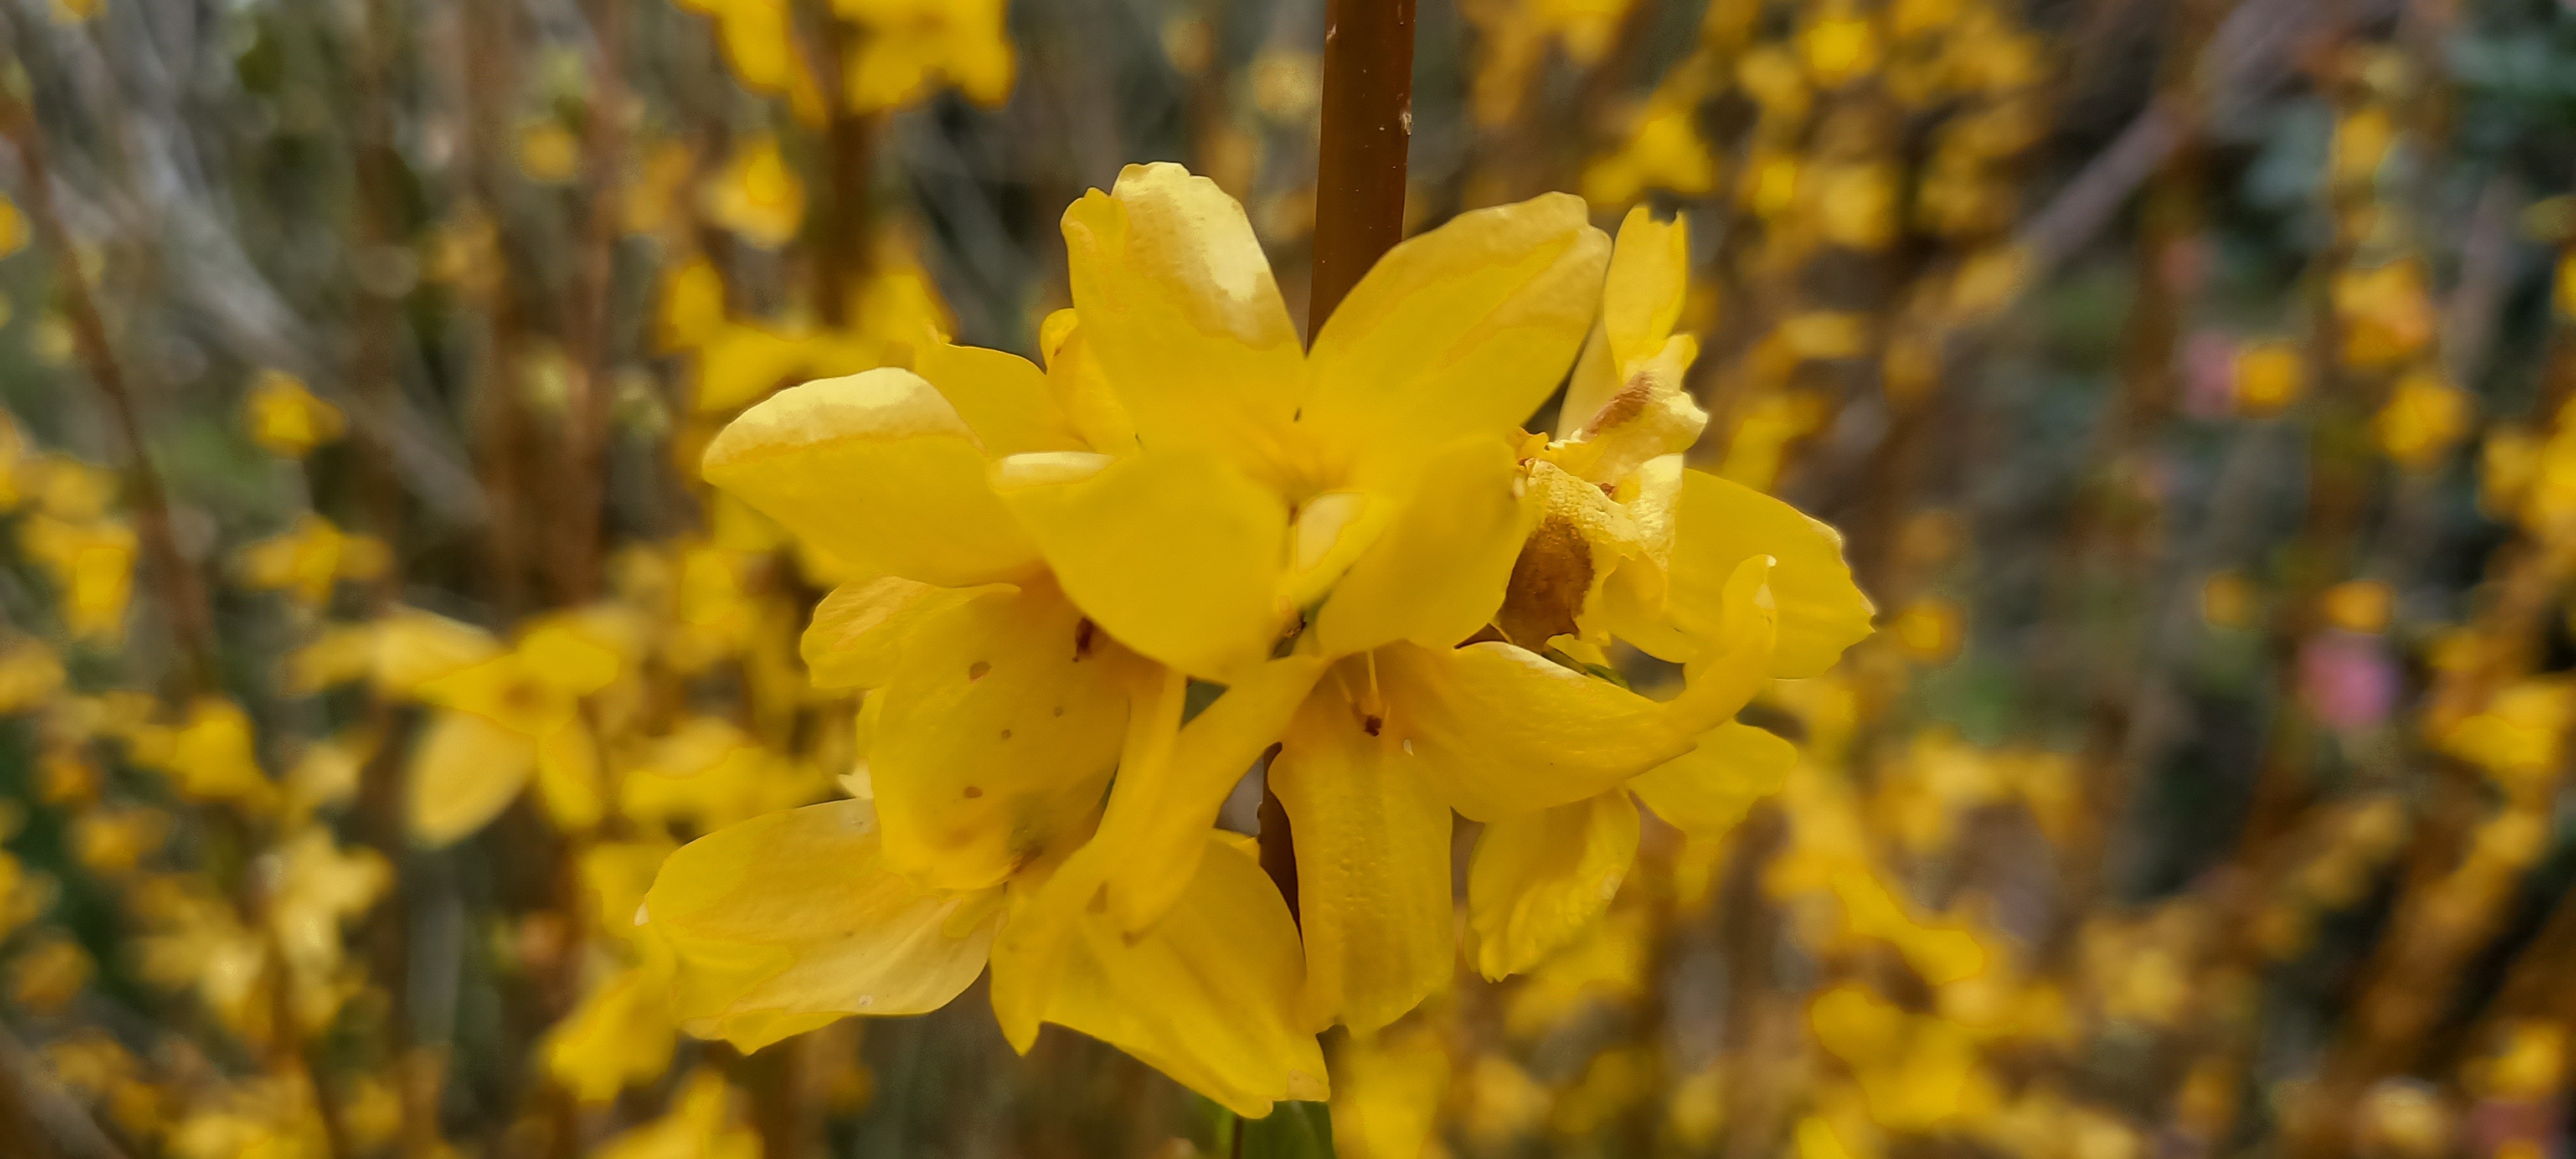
point(592, 321)
point(1368, 125)
point(182, 590)
point(500, 416)
point(845, 223)
point(38, 1119)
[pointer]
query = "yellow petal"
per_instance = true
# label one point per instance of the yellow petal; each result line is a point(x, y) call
point(1539, 879)
point(1706, 791)
point(1648, 279)
point(1462, 330)
point(1158, 812)
point(505, 691)
point(468, 769)
point(1437, 573)
point(1596, 379)
point(1373, 888)
point(1081, 387)
point(1386, 1093)
point(1719, 524)
point(620, 1035)
point(1177, 553)
point(860, 629)
point(1209, 996)
point(413, 646)
point(1177, 302)
point(998, 734)
point(1004, 398)
point(568, 777)
point(792, 920)
point(741, 363)
point(1496, 730)
point(878, 470)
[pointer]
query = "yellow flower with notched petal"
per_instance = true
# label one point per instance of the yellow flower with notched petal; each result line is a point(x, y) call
point(91, 562)
point(758, 195)
point(2425, 417)
point(285, 418)
point(701, 1124)
point(211, 756)
point(505, 719)
point(306, 562)
point(908, 46)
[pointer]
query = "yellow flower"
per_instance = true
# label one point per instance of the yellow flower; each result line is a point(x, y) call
point(91, 562)
point(30, 673)
point(306, 562)
point(548, 152)
point(2386, 313)
point(285, 418)
point(709, 774)
point(505, 719)
point(24, 896)
point(2269, 376)
point(1386, 1104)
point(45, 977)
point(759, 42)
point(212, 758)
point(1663, 151)
point(2425, 417)
point(1181, 492)
point(13, 227)
point(907, 46)
point(1839, 47)
point(787, 922)
point(757, 194)
point(701, 1124)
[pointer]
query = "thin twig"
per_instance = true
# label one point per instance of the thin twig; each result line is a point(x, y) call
point(182, 591)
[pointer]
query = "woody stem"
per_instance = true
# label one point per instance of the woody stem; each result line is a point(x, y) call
point(1368, 122)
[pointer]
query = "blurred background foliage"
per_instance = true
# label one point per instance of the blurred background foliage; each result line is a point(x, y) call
point(2189, 379)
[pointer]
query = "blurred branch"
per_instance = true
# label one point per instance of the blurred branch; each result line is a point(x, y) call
point(37, 1119)
point(183, 592)
point(2243, 61)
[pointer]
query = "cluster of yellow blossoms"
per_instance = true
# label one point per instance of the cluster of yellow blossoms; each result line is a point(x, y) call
point(1099, 592)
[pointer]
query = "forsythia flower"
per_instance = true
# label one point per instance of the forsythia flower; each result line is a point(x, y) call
point(1632, 545)
point(306, 562)
point(285, 418)
point(1186, 497)
point(757, 194)
point(508, 718)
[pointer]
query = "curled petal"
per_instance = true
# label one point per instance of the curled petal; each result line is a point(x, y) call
point(793, 920)
point(1497, 730)
point(1003, 398)
point(1539, 879)
point(1706, 791)
point(1718, 525)
point(1209, 996)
